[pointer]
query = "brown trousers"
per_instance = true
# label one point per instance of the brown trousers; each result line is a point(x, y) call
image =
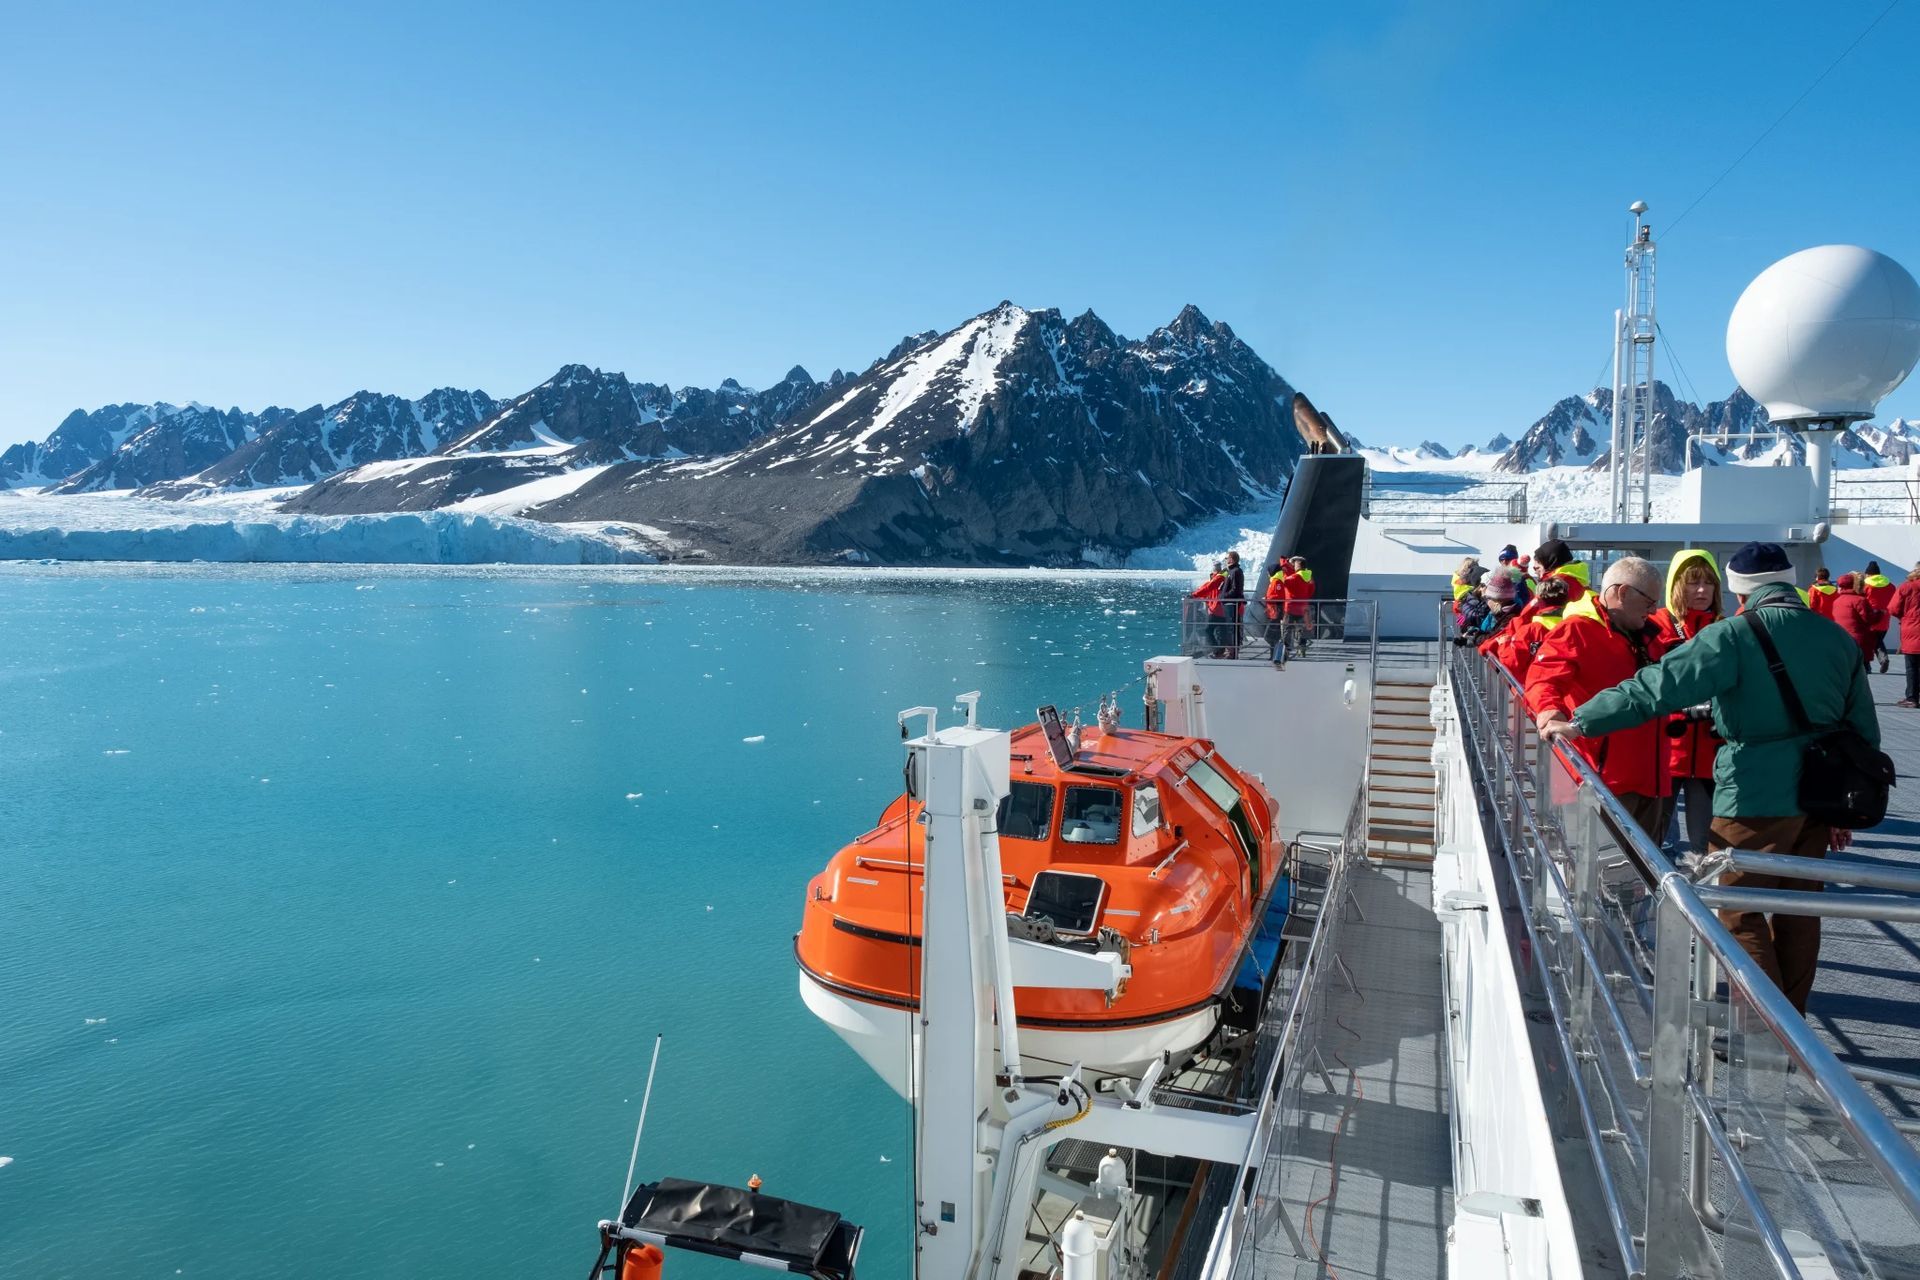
point(1787, 947)
point(1651, 812)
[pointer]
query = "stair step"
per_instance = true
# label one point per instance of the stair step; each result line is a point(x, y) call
point(1401, 835)
point(1389, 752)
point(1397, 784)
point(1404, 737)
point(1423, 775)
point(1378, 803)
point(1399, 855)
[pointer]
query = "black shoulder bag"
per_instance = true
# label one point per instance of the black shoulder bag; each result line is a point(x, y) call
point(1844, 779)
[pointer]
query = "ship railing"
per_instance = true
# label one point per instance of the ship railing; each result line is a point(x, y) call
point(1468, 497)
point(1723, 1135)
point(1888, 499)
point(1247, 1203)
point(1249, 631)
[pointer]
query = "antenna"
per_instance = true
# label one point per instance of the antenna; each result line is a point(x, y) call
point(1631, 459)
point(634, 1159)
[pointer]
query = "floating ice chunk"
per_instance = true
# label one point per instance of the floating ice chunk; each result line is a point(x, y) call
point(5, 1161)
point(758, 737)
point(94, 1022)
point(635, 795)
point(886, 1159)
point(115, 751)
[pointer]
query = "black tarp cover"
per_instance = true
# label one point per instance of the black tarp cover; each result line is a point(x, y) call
point(729, 1219)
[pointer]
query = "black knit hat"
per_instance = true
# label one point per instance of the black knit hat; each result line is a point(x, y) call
point(1553, 554)
point(1757, 564)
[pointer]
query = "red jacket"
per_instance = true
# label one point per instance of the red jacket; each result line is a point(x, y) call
point(1858, 618)
point(1514, 645)
point(1275, 594)
point(1820, 598)
point(1210, 592)
point(1878, 590)
point(1691, 754)
point(1579, 658)
point(1906, 607)
point(1298, 589)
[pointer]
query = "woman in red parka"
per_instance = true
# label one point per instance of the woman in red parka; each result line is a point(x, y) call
point(1693, 603)
point(1906, 607)
point(1856, 616)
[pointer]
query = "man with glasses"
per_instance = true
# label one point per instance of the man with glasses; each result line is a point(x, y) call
point(1592, 651)
point(1756, 774)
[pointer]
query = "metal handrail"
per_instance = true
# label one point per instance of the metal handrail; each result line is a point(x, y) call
point(1286, 1063)
point(1242, 632)
point(1497, 745)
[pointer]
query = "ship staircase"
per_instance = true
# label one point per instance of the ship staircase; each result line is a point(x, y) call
point(1400, 775)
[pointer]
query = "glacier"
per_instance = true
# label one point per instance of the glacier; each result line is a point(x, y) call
point(246, 528)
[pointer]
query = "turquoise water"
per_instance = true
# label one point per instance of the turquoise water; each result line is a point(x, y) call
point(340, 907)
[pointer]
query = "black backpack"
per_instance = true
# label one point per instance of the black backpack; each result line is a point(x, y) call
point(1844, 779)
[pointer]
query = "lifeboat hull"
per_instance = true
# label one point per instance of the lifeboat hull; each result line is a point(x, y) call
point(877, 1031)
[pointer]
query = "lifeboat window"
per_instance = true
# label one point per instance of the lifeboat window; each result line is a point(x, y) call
point(1223, 793)
point(1027, 812)
point(1068, 898)
point(1091, 816)
point(1146, 809)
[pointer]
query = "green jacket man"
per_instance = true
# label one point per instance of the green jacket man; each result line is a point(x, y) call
point(1757, 772)
point(1756, 777)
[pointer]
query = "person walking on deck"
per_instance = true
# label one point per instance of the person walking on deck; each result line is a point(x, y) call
point(1693, 604)
point(1906, 605)
point(1820, 595)
point(1856, 616)
point(1879, 593)
point(1757, 772)
point(1595, 650)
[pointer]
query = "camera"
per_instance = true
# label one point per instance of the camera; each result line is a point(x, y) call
point(1687, 717)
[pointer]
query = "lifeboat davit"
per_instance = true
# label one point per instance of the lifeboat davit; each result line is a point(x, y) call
point(1150, 838)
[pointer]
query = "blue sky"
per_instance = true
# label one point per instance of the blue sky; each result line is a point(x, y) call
point(1414, 211)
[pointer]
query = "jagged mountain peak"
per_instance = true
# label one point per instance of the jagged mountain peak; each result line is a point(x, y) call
point(799, 376)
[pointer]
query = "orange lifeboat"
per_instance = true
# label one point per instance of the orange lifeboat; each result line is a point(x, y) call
point(1147, 841)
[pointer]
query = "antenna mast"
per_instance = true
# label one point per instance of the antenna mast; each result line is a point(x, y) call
point(1633, 386)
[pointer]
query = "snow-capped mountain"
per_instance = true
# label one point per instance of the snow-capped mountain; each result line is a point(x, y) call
point(1018, 436)
point(81, 440)
point(1578, 431)
point(317, 442)
point(173, 442)
point(594, 417)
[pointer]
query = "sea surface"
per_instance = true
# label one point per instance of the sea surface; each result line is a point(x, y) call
point(339, 907)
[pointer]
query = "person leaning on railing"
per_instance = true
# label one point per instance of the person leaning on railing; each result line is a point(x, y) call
point(1593, 650)
point(1514, 646)
point(1757, 772)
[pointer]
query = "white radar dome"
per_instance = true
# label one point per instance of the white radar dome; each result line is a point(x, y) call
point(1825, 333)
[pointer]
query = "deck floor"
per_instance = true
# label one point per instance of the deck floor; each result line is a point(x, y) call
point(1372, 1184)
point(1866, 1001)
